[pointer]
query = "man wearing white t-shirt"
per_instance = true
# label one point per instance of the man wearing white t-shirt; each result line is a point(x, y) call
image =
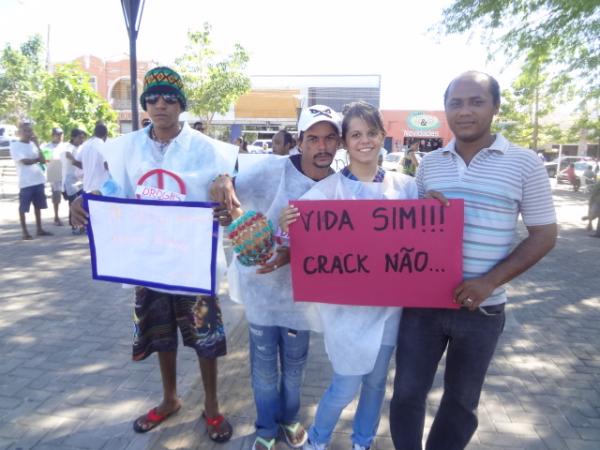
point(28, 157)
point(54, 170)
point(70, 164)
point(95, 169)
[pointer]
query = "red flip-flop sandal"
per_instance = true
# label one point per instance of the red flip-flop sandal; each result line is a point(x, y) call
point(218, 428)
point(150, 420)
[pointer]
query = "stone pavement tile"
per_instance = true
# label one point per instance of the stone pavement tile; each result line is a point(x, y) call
point(581, 445)
point(510, 440)
point(52, 446)
point(529, 418)
point(551, 438)
point(589, 434)
point(575, 418)
point(9, 402)
point(9, 364)
point(562, 427)
point(117, 443)
point(520, 429)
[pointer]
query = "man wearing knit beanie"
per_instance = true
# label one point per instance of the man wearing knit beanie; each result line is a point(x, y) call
point(163, 80)
point(178, 163)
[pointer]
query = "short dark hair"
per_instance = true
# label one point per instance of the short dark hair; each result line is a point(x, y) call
point(288, 139)
point(364, 111)
point(100, 130)
point(76, 132)
point(493, 83)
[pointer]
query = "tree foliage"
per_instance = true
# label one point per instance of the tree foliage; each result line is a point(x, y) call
point(21, 78)
point(532, 97)
point(212, 85)
point(69, 101)
point(565, 31)
point(588, 123)
point(63, 97)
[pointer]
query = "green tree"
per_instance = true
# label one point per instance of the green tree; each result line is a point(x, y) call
point(212, 85)
point(532, 97)
point(565, 30)
point(588, 124)
point(21, 78)
point(69, 101)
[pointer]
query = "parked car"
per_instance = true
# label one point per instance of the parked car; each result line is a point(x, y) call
point(392, 161)
point(261, 146)
point(8, 133)
point(552, 166)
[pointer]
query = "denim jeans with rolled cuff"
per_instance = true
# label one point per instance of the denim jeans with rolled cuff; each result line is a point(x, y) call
point(277, 360)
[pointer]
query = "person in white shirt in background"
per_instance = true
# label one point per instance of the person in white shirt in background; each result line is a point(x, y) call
point(27, 156)
point(54, 170)
point(70, 164)
point(95, 169)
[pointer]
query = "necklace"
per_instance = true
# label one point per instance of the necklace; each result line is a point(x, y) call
point(162, 144)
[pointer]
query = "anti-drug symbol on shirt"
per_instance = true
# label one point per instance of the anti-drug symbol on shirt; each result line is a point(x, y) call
point(158, 192)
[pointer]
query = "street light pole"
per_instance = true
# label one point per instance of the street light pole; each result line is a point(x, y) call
point(132, 11)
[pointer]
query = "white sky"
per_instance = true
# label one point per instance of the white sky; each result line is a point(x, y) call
point(386, 37)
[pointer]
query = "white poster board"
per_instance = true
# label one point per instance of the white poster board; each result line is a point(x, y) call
point(159, 244)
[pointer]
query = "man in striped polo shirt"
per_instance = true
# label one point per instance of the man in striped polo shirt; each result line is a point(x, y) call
point(498, 181)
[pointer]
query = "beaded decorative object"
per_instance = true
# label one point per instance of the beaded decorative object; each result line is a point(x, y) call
point(252, 238)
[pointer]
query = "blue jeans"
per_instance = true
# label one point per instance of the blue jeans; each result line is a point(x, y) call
point(276, 392)
point(341, 392)
point(470, 339)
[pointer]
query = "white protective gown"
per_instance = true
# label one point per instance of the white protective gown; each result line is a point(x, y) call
point(193, 157)
point(354, 334)
point(267, 187)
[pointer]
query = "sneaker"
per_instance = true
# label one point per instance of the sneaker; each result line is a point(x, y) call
point(355, 446)
point(308, 445)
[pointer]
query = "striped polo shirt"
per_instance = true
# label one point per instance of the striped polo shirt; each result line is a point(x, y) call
point(499, 183)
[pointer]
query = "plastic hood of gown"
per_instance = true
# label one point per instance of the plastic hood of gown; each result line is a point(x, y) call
point(192, 156)
point(354, 334)
point(267, 186)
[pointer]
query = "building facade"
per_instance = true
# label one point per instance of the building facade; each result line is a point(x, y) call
point(111, 79)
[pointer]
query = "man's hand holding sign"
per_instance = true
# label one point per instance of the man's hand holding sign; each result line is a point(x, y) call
point(376, 252)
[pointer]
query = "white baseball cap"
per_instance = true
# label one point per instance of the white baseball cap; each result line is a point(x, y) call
point(318, 113)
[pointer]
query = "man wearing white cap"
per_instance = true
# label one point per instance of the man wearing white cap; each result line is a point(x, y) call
point(277, 325)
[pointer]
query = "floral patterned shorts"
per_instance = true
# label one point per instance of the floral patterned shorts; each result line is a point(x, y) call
point(158, 315)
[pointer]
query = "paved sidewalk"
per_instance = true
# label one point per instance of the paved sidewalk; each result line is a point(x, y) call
point(67, 382)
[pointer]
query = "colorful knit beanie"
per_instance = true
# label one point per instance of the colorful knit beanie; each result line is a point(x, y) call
point(163, 80)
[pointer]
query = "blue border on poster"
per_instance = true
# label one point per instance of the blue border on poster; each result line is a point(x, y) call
point(213, 259)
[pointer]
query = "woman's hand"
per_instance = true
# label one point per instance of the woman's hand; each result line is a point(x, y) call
point(288, 216)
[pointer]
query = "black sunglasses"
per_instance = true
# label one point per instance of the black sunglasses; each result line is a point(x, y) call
point(169, 99)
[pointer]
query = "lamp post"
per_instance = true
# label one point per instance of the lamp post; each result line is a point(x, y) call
point(299, 104)
point(132, 11)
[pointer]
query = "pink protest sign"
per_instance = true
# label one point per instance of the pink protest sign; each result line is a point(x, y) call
point(377, 252)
